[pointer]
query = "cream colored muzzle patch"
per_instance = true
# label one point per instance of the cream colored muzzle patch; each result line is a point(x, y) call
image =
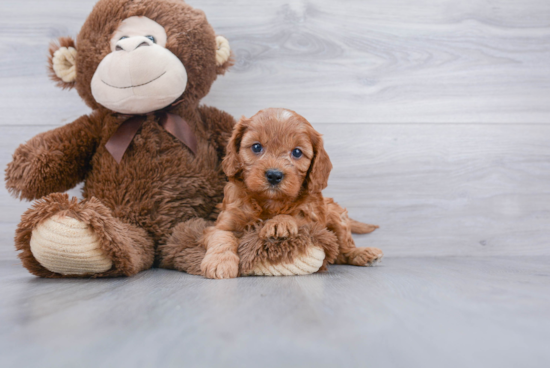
point(140, 81)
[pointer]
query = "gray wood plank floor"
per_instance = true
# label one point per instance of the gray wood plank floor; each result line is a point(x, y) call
point(407, 312)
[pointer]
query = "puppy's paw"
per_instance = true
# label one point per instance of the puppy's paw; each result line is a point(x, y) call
point(365, 256)
point(279, 227)
point(220, 265)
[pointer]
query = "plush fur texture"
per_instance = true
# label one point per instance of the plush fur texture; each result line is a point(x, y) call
point(133, 206)
point(185, 249)
point(283, 212)
point(254, 249)
point(129, 246)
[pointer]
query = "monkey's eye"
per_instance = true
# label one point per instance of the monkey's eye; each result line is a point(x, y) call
point(151, 38)
point(123, 38)
point(257, 148)
point(297, 153)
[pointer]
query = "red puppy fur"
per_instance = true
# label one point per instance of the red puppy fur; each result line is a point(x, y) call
point(277, 167)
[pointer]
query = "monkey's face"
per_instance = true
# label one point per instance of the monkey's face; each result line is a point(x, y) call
point(140, 74)
point(136, 57)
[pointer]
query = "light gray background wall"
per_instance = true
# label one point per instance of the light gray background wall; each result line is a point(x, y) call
point(435, 113)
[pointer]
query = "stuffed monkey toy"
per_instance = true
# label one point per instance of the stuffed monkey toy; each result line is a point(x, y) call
point(148, 154)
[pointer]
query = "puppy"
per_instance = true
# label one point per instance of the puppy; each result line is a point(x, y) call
point(277, 168)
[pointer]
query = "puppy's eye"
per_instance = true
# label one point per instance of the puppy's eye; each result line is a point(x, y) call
point(257, 148)
point(297, 153)
point(151, 38)
point(123, 38)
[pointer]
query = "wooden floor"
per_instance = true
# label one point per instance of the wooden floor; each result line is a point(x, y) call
point(407, 312)
point(436, 116)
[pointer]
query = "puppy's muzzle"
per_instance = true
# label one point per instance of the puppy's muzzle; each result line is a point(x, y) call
point(274, 177)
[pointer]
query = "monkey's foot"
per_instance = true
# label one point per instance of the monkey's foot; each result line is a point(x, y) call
point(67, 246)
point(306, 264)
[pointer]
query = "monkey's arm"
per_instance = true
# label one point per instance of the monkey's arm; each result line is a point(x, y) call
point(54, 161)
point(220, 125)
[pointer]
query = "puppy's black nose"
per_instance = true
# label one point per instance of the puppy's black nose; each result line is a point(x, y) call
point(274, 177)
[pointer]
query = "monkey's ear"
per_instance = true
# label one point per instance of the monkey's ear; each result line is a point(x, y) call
point(224, 56)
point(62, 62)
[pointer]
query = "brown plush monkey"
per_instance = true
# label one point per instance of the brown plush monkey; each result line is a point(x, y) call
point(148, 154)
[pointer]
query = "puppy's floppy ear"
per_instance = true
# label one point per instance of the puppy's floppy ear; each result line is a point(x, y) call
point(320, 167)
point(224, 55)
point(231, 163)
point(62, 62)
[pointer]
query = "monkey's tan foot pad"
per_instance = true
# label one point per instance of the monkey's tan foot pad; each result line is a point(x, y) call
point(68, 246)
point(307, 264)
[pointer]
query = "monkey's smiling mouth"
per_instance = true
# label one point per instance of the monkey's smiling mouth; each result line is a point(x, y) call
point(138, 85)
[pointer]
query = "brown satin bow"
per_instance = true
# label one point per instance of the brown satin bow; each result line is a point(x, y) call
point(174, 124)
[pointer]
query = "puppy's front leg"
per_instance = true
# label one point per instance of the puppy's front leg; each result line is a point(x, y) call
point(221, 260)
point(280, 226)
